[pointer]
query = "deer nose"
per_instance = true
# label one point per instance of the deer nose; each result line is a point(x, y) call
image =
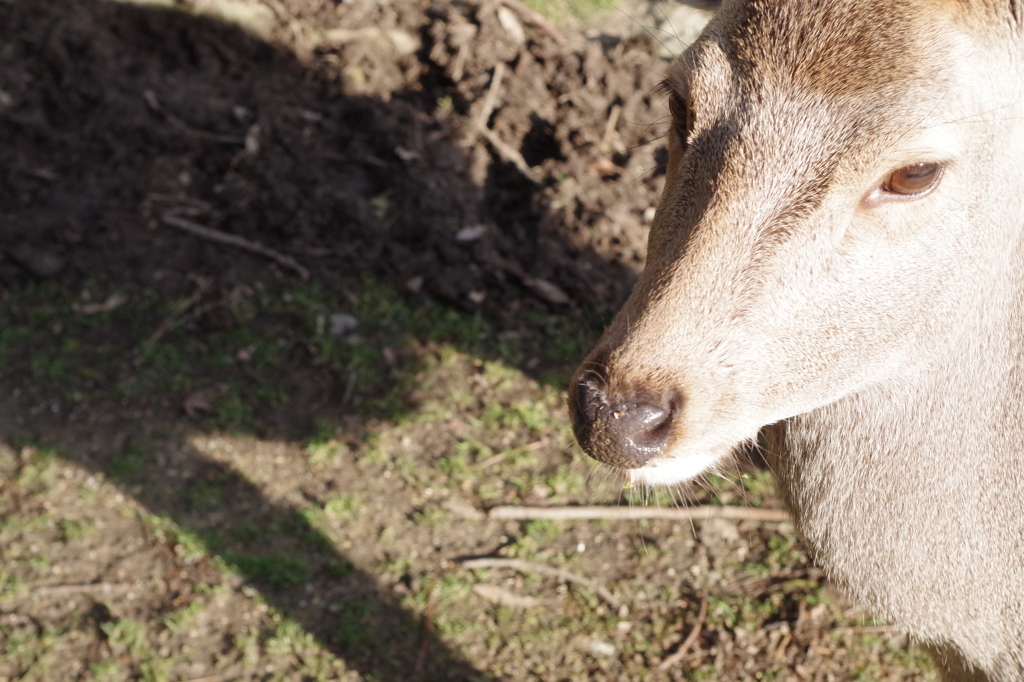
point(623, 433)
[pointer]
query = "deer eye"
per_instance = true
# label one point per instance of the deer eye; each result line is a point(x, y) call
point(682, 116)
point(916, 180)
point(677, 107)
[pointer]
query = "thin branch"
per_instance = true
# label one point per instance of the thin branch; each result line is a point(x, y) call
point(176, 317)
point(531, 17)
point(113, 302)
point(479, 127)
point(510, 154)
point(502, 597)
point(154, 104)
point(494, 459)
point(609, 126)
point(480, 124)
point(701, 513)
point(533, 567)
point(212, 235)
point(674, 658)
point(172, 323)
point(56, 590)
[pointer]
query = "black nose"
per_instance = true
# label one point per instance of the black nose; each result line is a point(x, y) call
point(624, 432)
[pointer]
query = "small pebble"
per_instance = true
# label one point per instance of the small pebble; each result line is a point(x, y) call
point(470, 233)
point(599, 648)
point(342, 324)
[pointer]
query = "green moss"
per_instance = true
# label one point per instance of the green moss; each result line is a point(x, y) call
point(352, 628)
point(278, 571)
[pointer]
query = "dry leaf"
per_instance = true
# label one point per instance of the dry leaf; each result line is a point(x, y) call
point(196, 402)
point(547, 291)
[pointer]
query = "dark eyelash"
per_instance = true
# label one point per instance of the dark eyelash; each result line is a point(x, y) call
point(677, 107)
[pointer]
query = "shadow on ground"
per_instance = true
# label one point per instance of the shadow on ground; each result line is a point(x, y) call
point(126, 342)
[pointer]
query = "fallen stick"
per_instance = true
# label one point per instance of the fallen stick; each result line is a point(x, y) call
point(541, 288)
point(609, 126)
point(212, 235)
point(174, 322)
point(531, 17)
point(113, 302)
point(502, 597)
point(154, 104)
point(491, 99)
point(479, 127)
point(502, 455)
point(533, 567)
point(674, 658)
point(510, 155)
point(701, 513)
point(45, 590)
point(177, 314)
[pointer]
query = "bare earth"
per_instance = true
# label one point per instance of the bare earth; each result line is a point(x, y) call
point(218, 463)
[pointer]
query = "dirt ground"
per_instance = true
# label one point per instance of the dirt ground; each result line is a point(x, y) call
point(269, 460)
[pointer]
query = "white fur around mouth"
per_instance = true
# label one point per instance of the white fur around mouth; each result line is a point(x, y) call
point(676, 469)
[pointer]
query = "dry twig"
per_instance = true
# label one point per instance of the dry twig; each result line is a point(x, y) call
point(480, 124)
point(502, 597)
point(494, 459)
point(510, 154)
point(541, 288)
point(212, 235)
point(479, 127)
point(113, 302)
point(56, 590)
point(701, 513)
point(674, 658)
point(609, 126)
point(154, 104)
point(531, 17)
point(176, 318)
point(533, 567)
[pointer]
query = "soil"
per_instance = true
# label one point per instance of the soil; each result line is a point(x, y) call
point(150, 532)
point(354, 157)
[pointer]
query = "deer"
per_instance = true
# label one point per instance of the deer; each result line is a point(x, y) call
point(836, 268)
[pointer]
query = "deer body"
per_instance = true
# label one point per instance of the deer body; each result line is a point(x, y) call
point(839, 257)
